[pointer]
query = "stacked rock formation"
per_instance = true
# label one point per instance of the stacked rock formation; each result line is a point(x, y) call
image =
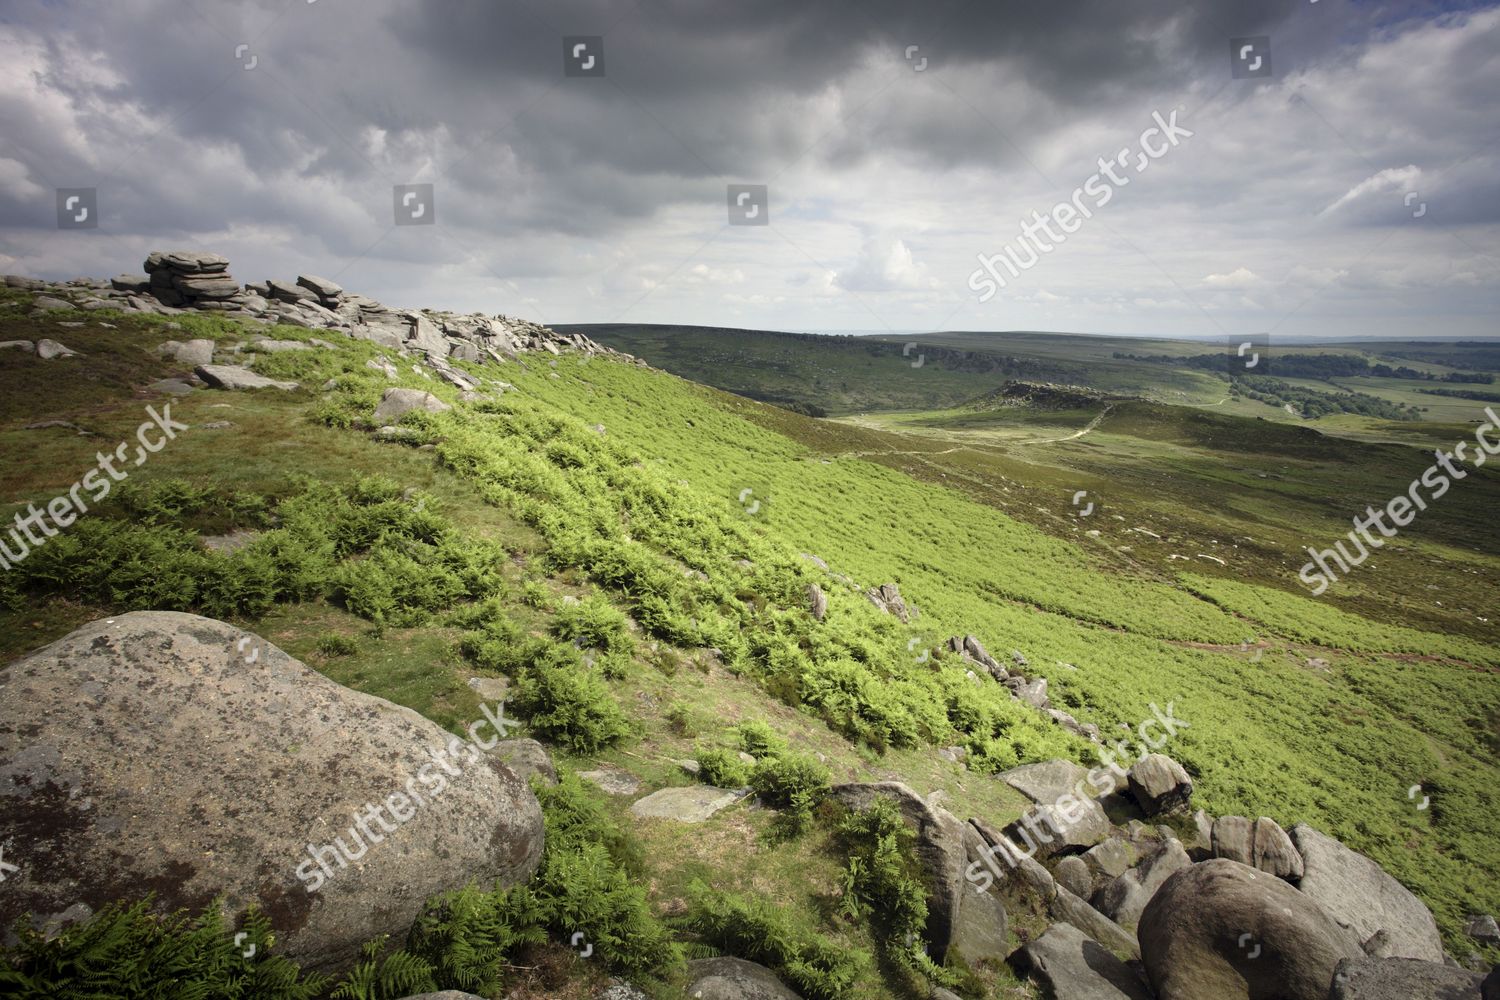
point(193, 280)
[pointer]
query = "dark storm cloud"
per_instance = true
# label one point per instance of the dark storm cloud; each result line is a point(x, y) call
point(885, 180)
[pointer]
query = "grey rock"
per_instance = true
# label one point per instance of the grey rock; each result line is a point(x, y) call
point(1234, 839)
point(1112, 858)
point(1160, 785)
point(172, 386)
point(1126, 897)
point(1073, 966)
point(734, 979)
point(25, 346)
point(283, 291)
point(1402, 979)
point(1274, 852)
point(321, 287)
point(1069, 908)
point(526, 758)
point(205, 286)
point(395, 403)
point(1048, 781)
point(939, 846)
point(1358, 894)
point(268, 346)
point(612, 781)
point(1223, 929)
point(692, 804)
point(423, 335)
point(1482, 928)
point(887, 597)
point(49, 349)
point(990, 859)
point(981, 931)
point(237, 377)
point(182, 754)
point(48, 303)
point(817, 601)
point(1073, 874)
point(194, 352)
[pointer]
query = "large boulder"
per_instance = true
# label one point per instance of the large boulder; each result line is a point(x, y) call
point(1160, 785)
point(1402, 979)
point(1074, 966)
point(1223, 929)
point(397, 403)
point(238, 377)
point(1065, 815)
point(1260, 844)
point(734, 979)
point(1358, 894)
point(168, 753)
point(940, 848)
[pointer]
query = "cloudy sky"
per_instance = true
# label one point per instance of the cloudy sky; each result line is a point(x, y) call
point(1351, 191)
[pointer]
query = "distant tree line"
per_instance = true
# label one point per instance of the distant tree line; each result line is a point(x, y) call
point(1483, 397)
point(1312, 404)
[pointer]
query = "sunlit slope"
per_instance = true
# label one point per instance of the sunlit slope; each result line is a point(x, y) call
point(1269, 734)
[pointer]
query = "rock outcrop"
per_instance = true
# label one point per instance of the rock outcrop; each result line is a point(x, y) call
point(1223, 929)
point(1358, 894)
point(1160, 785)
point(165, 752)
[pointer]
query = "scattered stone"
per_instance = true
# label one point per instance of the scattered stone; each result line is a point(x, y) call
point(1482, 928)
point(1160, 785)
point(1359, 895)
point(238, 377)
point(817, 601)
point(278, 346)
point(173, 386)
point(20, 345)
point(1076, 967)
point(396, 403)
point(1223, 929)
point(232, 542)
point(612, 781)
point(1402, 979)
point(490, 688)
point(171, 710)
point(49, 349)
point(887, 597)
point(734, 979)
point(526, 757)
point(692, 804)
point(48, 303)
point(216, 425)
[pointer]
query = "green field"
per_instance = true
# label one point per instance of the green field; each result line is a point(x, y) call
point(621, 484)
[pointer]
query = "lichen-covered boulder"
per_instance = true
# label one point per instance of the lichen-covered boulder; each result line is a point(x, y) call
point(168, 753)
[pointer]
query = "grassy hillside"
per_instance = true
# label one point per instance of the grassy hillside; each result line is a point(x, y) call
point(624, 488)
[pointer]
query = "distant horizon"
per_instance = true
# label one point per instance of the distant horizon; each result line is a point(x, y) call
point(1191, 338)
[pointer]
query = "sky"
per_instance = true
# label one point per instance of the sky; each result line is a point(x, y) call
point(1339, 177)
